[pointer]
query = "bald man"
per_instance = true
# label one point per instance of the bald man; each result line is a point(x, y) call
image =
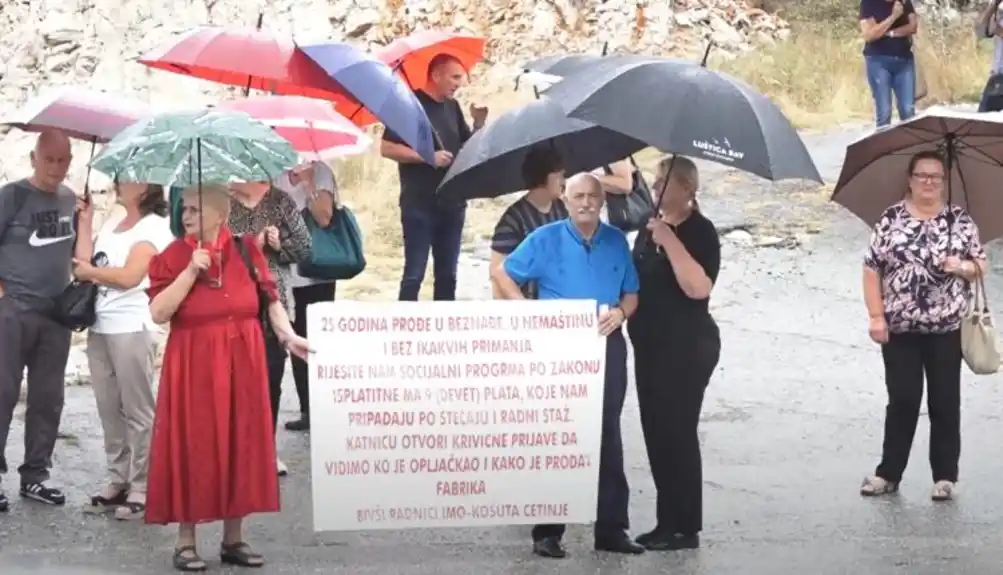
point(36, 245)
point(583, 258)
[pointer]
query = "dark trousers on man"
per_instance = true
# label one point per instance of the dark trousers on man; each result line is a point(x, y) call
point(33, 340)
point(304, 296)
point(275, 356)
point(673, 366)
point(907, 356)
point(614, 493)
point(436, 229)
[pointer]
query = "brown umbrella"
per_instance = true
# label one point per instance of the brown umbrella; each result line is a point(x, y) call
point(875, 169)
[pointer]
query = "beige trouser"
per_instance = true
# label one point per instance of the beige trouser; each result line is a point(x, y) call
point(122, 367)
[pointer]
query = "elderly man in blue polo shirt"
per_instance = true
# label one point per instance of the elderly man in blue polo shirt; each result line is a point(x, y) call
point(583, 258)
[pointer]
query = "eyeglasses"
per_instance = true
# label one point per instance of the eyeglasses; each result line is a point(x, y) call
point(217, 262)
point(928, 178)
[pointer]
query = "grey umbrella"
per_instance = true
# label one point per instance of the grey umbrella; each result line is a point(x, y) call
point(875, 169)
point(687, 109)
point(489, 164)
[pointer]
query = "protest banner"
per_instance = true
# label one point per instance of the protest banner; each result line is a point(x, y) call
point(454, 414)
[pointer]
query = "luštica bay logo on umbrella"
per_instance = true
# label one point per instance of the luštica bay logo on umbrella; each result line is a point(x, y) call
point(719, 150)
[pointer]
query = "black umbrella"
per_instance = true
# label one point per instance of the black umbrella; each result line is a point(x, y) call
point(684, 108)
point(490, 163)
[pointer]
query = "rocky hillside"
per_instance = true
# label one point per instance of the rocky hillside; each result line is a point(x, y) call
point(95, 42)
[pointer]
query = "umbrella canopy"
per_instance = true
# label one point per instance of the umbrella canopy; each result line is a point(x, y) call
point(490, 163)
point(311, 126)
point(686, 109)
point(875, 170)
point(80, 113)
point(381, 95)
point(562, 64)
point(253, 59)
point(412, 54)
point(187, 148)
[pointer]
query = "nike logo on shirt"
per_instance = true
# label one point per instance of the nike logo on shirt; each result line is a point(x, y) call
point(38, 242)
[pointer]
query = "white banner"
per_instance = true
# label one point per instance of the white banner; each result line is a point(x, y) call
point(454, 414)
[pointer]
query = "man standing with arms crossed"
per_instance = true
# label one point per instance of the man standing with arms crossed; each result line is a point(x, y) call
point(583, 258)
point(36, 248)
point(426, 222)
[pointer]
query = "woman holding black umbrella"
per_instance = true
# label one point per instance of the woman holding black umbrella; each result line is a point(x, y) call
point(676, 349)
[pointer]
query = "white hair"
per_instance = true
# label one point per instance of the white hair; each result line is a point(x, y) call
point(586, 179)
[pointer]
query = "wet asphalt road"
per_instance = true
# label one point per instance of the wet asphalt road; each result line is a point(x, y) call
point(792, 422)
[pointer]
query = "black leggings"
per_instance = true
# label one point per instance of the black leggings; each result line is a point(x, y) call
point(673, 365)
point(305, 296)
point(907, 357)
point(275, 356)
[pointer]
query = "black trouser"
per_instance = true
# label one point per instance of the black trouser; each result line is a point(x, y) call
point(614, 493)
point(275, 356)
point(907, 356)
point(303, 297)
point(673, 365)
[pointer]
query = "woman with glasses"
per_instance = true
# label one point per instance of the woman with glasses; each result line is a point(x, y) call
point(923, 256)
point(213, 454)
point(122, 343)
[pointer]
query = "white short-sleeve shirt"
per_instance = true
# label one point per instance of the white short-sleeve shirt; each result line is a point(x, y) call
point(127, 311)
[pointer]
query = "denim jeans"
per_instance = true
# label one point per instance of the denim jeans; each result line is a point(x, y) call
point(437, 229)
point(889, 75)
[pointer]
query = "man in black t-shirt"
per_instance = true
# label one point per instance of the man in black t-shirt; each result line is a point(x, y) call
point(543, 176)
point(887, 27)
point(427, 223)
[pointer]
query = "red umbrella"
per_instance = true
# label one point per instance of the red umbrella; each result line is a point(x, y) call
point(79, 113)
point(412, 54)
point(309, 125)
point(252, 59)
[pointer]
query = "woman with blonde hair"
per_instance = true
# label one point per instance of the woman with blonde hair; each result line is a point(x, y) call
point(213, 452)
point(122, 343)
point(676, 349)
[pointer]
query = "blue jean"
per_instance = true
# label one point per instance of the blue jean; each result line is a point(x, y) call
point(889, 75)
point(439, 230)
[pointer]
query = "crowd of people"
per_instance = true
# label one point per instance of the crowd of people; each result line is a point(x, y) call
point(228, 286)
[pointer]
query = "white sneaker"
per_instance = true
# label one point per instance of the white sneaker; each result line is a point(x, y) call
point(282, 469)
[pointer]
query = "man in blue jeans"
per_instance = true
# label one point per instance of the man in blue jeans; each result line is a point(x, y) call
point(427, 223)
point(887, 27)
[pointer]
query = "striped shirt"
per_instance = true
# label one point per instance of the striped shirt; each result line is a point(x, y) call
point(518, 221)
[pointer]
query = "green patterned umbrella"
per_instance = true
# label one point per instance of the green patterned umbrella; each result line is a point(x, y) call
point(187, 148)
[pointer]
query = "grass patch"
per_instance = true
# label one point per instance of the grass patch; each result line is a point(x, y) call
point(817, 76)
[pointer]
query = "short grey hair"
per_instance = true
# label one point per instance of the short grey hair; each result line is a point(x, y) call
point(684, 170)
point(586, 179)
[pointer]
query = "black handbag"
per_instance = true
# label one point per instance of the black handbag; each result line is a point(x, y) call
point(630, 212)
point(75, 307)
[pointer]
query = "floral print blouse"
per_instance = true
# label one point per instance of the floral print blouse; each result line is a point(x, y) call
point(909, 253)
point(277, 209)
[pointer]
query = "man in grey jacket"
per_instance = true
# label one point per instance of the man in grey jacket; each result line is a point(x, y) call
point(36, 246)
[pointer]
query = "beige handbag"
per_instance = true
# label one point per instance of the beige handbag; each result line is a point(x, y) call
point(979, 343)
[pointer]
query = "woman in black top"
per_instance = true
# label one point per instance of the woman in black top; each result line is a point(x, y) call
point(676, 349)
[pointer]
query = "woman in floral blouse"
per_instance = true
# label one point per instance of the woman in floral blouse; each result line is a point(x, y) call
point(922, 259)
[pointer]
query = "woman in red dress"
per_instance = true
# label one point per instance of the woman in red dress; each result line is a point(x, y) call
point(213, 448)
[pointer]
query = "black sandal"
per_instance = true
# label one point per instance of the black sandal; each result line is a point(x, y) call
point(130, 510)
point(240, 554)
point(100, 504)
point(187, 559)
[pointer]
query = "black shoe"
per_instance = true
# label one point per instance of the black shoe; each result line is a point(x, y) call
point(618, 544)
point(4, 503)
point(648, 537)
point(301, 424)
point(671, 542)
point(549, 547)
point(42, 493)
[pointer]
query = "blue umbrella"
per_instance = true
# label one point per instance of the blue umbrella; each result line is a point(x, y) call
point(380, 92)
